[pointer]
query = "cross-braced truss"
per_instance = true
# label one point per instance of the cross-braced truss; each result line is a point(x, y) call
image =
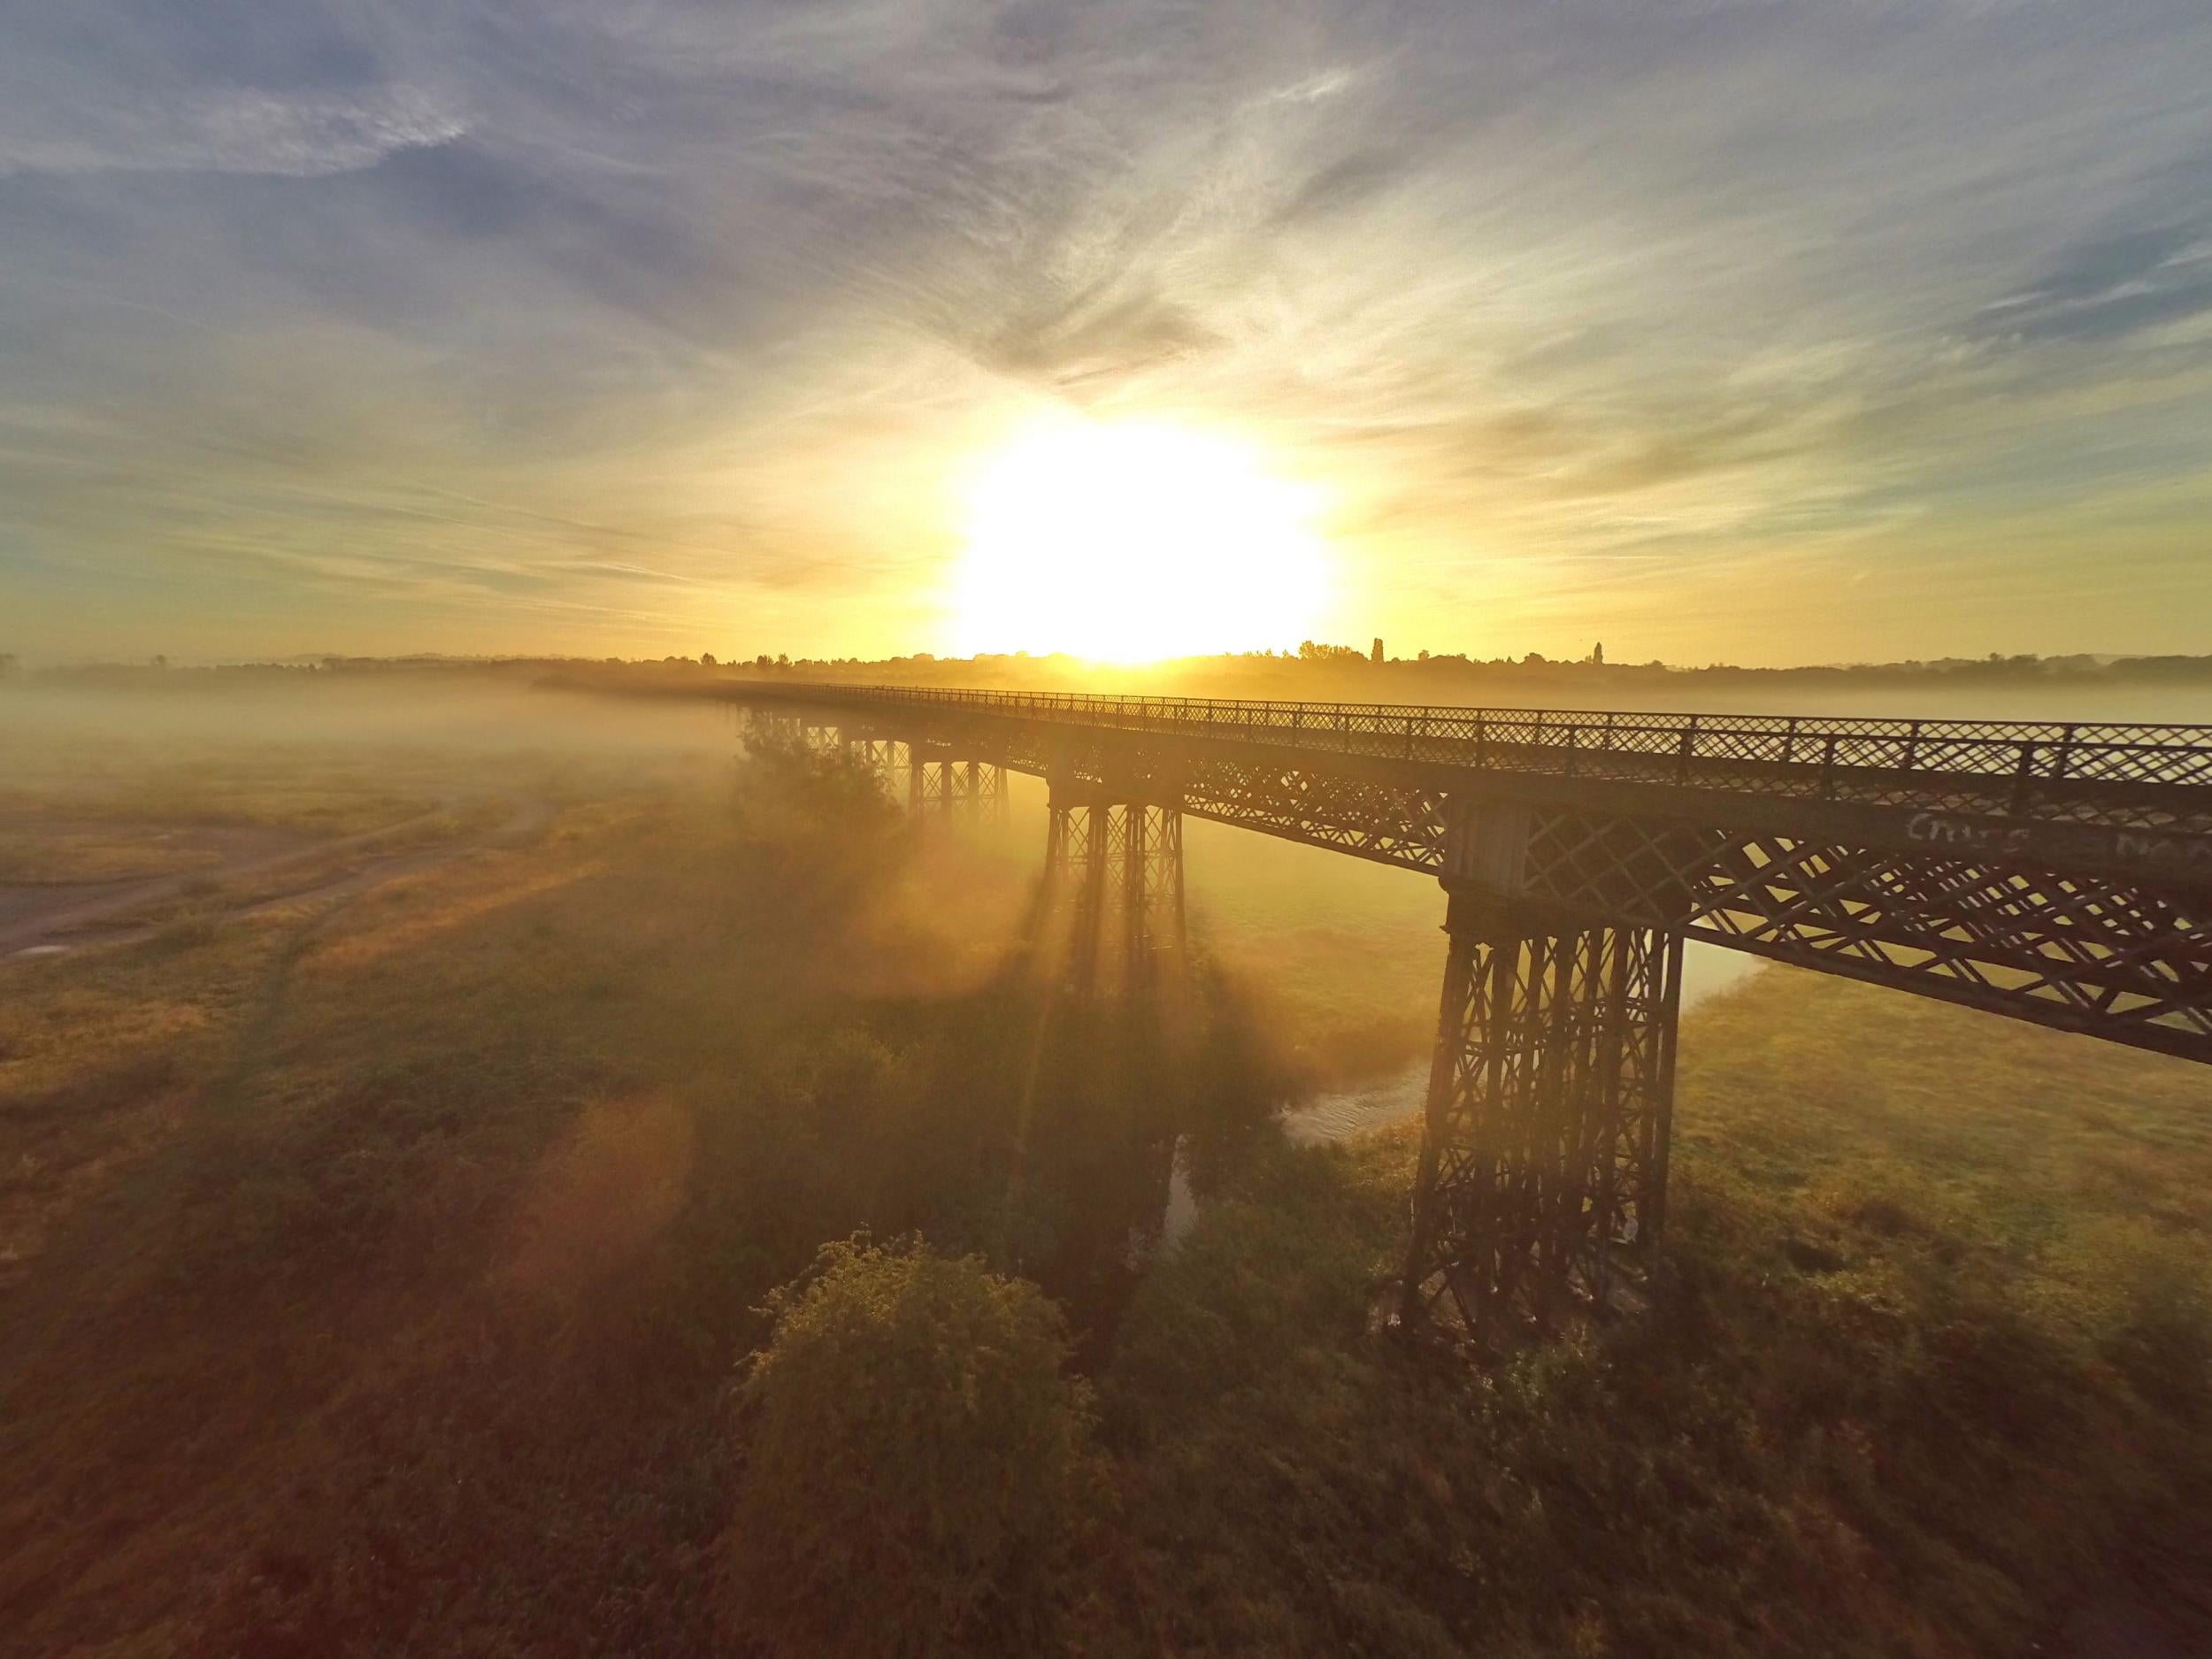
point(941, 786)
point(2013, 776)
point(773, 725)
point(1542, 1186)
point(2114, 955)
point(1114, 889)
point(2118, 959)
point(982, 787)
point(1385, 822)
point(1144, 860)
point(882, 755)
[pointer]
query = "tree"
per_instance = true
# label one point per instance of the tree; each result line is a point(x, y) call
point(1310, 652)
point(706, 659)
point(916, 1466)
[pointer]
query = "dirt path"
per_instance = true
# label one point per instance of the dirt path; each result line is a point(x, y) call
point(63, 930)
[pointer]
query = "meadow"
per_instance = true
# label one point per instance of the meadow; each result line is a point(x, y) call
point(379, 1264)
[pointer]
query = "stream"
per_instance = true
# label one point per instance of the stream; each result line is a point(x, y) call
point(1337, 1114)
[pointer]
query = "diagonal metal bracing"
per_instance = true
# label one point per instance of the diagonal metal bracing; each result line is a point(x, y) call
point(1145, 851)
point(1387, 823)
point(1956, 913)
point(935, 781)
point(2134, 795)
point(1542, 1190)
point(1114, 908)
point(2121, 960)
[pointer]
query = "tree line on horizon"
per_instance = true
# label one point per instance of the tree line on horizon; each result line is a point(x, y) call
point(2083, 668)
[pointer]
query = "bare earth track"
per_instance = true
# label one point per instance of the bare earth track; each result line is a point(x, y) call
point(47, 919)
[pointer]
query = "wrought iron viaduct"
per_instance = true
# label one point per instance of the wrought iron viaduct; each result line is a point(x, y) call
point(2060, 875)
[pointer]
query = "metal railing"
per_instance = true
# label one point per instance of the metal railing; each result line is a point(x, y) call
point(2020, 765)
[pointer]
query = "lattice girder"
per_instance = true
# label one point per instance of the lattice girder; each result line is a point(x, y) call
point(1943, 907)
point(2121, 960)
point(2102, 796)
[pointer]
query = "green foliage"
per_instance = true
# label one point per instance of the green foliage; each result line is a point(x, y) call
point(399, 1256)
point(1928, 1362)
point(917, 1467)
point(790, 799)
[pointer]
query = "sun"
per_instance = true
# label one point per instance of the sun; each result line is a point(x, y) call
point(1134, 541)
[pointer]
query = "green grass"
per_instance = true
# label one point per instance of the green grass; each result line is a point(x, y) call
point(1940, 1347)
point(376, 1273)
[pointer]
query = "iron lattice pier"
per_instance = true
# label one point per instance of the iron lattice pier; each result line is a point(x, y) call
point(2060, 875)
point(964, 788)
point(1113, 885)
point(1542, 1183)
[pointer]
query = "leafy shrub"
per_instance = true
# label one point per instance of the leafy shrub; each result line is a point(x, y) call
point(917, 1465)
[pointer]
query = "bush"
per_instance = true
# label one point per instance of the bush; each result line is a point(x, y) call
point(917, 1467)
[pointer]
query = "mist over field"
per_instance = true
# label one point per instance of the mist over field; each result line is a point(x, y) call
point(414, 1089)
point(1343, 953)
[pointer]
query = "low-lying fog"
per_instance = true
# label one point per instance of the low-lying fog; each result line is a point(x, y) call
point(1342, 956)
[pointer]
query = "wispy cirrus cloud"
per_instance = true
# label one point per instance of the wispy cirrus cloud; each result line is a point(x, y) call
point(695, 311)
point(291, 136)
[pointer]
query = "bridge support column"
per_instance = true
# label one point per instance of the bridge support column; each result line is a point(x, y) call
point(917, 780)
point(1114, 884)
point(967, 790)
point(1076, 839)
point(820, 736)
point(1146, 842)
point(878, 755)
point(1542, 1187)
point(773, 725)
point(976, 791)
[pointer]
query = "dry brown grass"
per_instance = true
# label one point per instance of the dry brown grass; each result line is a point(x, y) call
point(387, 1264)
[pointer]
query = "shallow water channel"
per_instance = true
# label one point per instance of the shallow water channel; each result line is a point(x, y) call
point(1337, 1114)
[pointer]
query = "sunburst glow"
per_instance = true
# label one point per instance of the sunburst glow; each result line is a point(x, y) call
point(1137, 541)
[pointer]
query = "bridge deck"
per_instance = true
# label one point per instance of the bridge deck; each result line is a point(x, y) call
point(2133, 798)
point(2056, 873)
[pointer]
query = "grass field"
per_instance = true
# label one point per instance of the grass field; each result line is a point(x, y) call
point(1937, 1365)
point(374, 1271)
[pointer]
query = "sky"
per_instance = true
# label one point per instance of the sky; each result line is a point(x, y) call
point(1769, 332)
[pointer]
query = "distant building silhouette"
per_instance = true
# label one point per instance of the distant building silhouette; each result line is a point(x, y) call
point(1377, 655)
